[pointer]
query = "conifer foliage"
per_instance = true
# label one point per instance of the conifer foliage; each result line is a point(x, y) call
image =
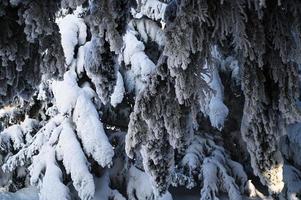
point(125, 99)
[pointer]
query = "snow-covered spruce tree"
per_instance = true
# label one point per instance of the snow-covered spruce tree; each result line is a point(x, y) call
point(124, 99)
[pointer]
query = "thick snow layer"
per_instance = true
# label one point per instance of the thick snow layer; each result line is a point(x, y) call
point(52, 186)
point(66, 92)
point(73, 32)
point(141, 66)
point(57, 140)
point(133, 54)
point(69, 96)
point(90, 129)
point(70, 152)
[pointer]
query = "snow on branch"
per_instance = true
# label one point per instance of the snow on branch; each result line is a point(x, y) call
point(25, 154)
point(51, 186)
point(141, 66)
point(215, 109)
point(153, 9)
point(18, 135)
point(119, 90)
point(58, 139)
point(148, 30)
point(207, 162)
point(69, 151)
point(74, 32)
point(90, 129)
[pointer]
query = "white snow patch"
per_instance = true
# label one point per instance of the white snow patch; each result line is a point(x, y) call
point(216, 109)
point(52, 186)
point(141, 66)
point(90, 129)
point(66, 92)
point(73, 32)
point(75, 162)
point(119, 90)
